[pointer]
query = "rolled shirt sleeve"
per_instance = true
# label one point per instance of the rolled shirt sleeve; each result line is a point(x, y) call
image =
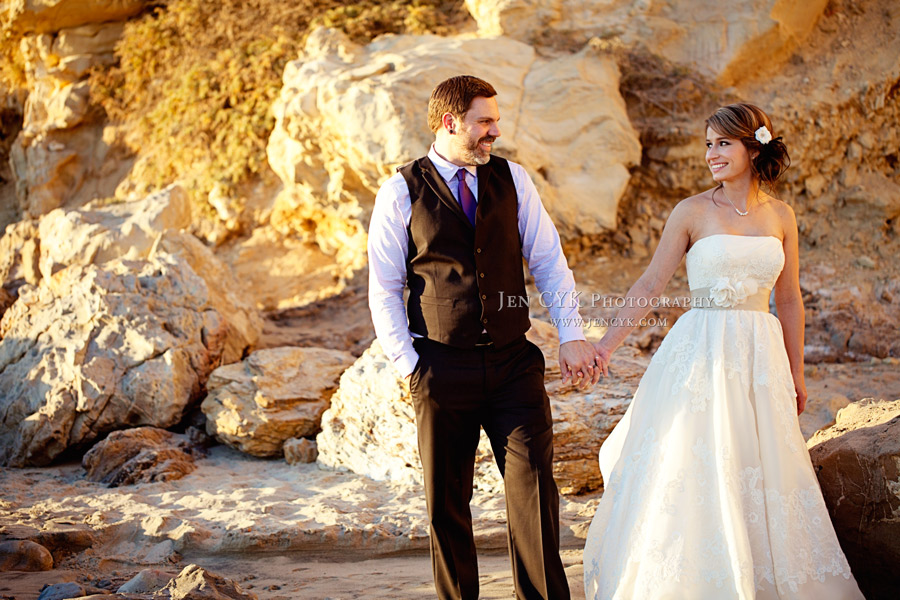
point(542, 250)
point(387, 248)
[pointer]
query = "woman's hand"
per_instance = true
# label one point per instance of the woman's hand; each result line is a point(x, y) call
point(800, 388)
point(602, 356)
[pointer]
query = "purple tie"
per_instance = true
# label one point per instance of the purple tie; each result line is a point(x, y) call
point(466, 198)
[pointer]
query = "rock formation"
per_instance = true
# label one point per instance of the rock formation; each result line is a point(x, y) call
point(370, 428)
point(729, 41)
point(95, 348)
point(64, 152)
point(127, 230)
point(192, 583)
point(348, 115)
point(273, 395)
point(94, 235)
point(126, 344)
point(47, 16)
point(857, 461)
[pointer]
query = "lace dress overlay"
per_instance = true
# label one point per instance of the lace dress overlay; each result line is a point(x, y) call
point(710, 492)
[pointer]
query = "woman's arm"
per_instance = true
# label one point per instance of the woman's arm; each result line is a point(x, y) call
point(789, 304)
point(672, 247)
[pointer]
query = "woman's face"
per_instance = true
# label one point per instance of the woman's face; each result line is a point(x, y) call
point(727, 158)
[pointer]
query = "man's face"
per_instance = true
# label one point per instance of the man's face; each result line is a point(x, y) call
point(477, 131)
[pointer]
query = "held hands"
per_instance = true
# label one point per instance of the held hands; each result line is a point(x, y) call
point(577, 363)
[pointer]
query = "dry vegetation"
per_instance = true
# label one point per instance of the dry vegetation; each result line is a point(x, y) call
point(195, 79)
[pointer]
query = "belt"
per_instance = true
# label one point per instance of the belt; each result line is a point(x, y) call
point(484, 340)
point(701, 298)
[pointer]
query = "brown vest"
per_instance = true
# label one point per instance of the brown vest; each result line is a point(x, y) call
point(458, 275)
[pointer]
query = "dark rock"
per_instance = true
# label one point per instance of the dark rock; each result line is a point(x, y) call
point(857, 461)
point(142, 454)
point(62, 591)
point(24, 555)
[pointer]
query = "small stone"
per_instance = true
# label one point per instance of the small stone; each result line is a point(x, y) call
point(815, 185)
point(865, 262)
point(300, 450)
point(867, 140)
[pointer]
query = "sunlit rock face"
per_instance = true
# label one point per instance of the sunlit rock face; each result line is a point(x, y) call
point(348, 115)
point(729, 41)
point(44, 16)
point(65, 153)
point(272, 396)
point(116, 319)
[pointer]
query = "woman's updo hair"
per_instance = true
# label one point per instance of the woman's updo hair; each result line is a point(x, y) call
point(741, 121)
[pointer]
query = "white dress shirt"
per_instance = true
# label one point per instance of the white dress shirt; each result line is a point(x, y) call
point(389, 243)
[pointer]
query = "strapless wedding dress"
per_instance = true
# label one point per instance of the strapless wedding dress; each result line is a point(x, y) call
point(710, 493)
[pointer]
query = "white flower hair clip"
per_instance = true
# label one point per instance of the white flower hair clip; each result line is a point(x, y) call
point(763, 135)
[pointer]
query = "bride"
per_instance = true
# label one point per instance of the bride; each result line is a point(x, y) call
point(710, 492)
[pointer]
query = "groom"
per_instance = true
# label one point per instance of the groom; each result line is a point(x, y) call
point(453, 227)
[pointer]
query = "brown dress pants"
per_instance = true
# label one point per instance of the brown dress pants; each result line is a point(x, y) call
point(456, 392)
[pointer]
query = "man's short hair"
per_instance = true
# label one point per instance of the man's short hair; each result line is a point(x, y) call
point(454, 96)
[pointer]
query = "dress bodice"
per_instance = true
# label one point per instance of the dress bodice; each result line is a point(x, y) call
point(743, 260)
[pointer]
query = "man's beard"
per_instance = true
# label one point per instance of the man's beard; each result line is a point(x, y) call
point(474, 155)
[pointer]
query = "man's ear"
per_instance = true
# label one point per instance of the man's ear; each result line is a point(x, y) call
point(449, 122)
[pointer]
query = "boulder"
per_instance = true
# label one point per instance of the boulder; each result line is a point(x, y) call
point(94, 349)
point(857, 461)
point(62, 591)
point(24, 555)
point(94, 235)
point(348, 115)
point(146, 581)
point(729, 41)
point(370, 428)
point(273, 395)
point(133, 230)
point(140, 455)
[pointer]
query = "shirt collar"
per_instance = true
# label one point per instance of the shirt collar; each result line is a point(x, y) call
point(446, 168)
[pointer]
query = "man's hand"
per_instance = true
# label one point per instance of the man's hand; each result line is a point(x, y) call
point(576, 363)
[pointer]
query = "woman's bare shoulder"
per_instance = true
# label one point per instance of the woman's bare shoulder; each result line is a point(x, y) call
point(693, 205)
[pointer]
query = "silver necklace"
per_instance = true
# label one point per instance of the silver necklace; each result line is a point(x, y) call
point(740, 213)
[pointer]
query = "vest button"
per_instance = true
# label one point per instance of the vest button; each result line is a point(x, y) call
point(478, 250)
point(481, 275)
point(484, 321)
point(483, 297)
